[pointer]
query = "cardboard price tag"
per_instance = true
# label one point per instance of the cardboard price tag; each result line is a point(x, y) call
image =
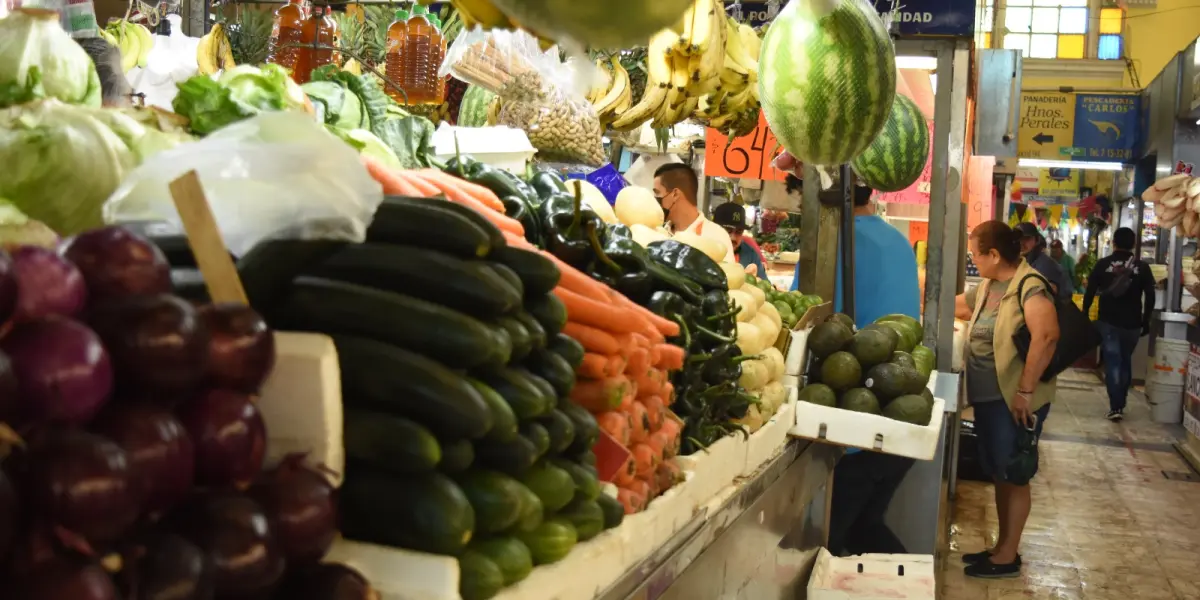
point(746, 157)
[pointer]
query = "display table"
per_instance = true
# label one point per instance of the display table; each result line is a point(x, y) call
point(758, 538)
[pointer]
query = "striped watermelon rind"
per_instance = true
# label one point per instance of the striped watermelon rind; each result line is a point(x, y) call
point(474, 108)
point(827, 78)
point(897, 156)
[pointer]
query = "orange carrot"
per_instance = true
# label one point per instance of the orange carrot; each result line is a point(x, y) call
point(655, 411)
point(616, 424)
point(640, 419)
point(448, 185)
point(592, 339)
point(461, 187)
point(590, 312)
point(627, 343)
point(639, 361)
point(393, 184)
point(594, 366)
point(627, 473)
point(646, 460)
point(667, 393)
point(628, 398)
point(616, 365)
point(517, 241)
point(572, 279)
point(661, 441)
point(670, 357)
point(632, 501)
point(661, 327)
point(648, 384)
point(426, 189)
point(600, 395)
point(668, 475)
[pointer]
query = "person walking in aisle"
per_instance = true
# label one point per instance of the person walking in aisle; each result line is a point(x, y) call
point(1126, 289)
point(675, 187)
point(1033, 247)
point(1009, 399)
point(1067, 263)
point(732, 217)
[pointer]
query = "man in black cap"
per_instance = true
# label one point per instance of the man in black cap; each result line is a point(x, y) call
point(1032, 246)
point(732, 218)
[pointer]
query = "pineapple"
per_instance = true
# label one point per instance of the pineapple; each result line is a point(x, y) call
point(351, 34)
point(378, 19)
point(250, 35)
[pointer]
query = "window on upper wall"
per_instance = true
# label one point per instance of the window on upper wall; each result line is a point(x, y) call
point(1112, 26)
point(985, 16)
point(1046, 28)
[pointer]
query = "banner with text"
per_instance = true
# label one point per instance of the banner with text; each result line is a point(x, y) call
point(911, 17)
point(1081, 127)
point(746, 157)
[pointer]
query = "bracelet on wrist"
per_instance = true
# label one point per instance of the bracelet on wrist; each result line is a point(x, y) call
point(1025, 392)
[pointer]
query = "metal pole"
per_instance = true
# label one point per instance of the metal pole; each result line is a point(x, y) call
point(846, 235)
point(810, 228)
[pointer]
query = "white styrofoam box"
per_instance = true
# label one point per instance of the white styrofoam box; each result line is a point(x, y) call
point(872, 577)
point(501, 147)
point(960, 333)
point(769, 440)
point(793, 363)
point(714, 469)
point(301, 402)
point(861, 430)
point(400, 574)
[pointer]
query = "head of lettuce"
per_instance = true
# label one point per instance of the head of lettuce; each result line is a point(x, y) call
point(39, 60)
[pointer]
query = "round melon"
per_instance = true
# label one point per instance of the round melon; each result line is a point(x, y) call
point(827, 79)
point(897, 157)
point(595, 23)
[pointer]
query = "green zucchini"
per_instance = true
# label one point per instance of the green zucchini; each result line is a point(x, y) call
point(538, 273)
point(566, 347)
point(554, 369)
point(561, 429)
point(522, 342)
point(514, 457)
point(392, 380)
point(495, 497)
point(466, 285)
point(586, 429)
point(537, 335)
point(479, 578)
point(537, 434)
point(457, 456)
point(554, 486)
point(390, 443)
point(586, 483)
point(518, 389)
point(547, 390)
point(551, 542)
point(444, 226)
point(509, 554)
point(442, 334)
point(504, 421)
point(532, 511)
point(588, 459)
point(510, 277)
point(268, 269)
point(549, 312)
point(614, 513)
point(427, 512)
point(586, 516)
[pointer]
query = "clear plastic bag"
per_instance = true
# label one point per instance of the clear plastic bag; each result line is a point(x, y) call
point(171, 61)
point(538, 92)
point(275, 175)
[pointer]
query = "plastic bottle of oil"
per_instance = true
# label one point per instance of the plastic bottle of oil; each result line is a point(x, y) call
point(320, 29)
point(417, 57)
point(394, 57)
point(437, 47)
point(289, 20)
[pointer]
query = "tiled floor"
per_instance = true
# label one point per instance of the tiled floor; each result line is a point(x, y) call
point(1107, 524)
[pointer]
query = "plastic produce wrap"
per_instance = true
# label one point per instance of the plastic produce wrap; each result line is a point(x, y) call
point(278, 174)
point(171, 61)
point(538, 93)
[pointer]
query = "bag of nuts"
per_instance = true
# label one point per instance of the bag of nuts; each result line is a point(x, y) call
point(535, 93)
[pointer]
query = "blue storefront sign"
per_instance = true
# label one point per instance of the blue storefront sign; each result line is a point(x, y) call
point(912, 17)
point(1106, 127)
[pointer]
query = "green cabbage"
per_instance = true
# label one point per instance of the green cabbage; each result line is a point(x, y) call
point(39, 60)
point(240, 93)
point(61, 161)
point(367, 144)
point(342, 108)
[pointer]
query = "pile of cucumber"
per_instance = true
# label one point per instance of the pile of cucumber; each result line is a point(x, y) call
point(460, 436)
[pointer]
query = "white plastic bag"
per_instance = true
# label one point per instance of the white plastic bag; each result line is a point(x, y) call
point(275, 175)
point(172, 60)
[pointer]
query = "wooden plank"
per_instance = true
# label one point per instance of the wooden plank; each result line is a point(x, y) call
point(220, 274)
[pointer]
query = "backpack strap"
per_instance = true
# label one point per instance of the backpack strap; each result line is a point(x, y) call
point(1021, 289)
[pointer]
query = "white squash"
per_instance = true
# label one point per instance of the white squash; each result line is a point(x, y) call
point(753, 421)
point(774, 360)
point(593, 198)
point(709, 247)
point(755, 375)
point(774, 394)
point(637, 206)
point(760, 297)
point(645, 236)
point(736, 275)
point(772, 313)
point(766, 327)
point(749, 339)
point(745, 302)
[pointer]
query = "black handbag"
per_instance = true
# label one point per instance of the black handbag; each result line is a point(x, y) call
point(1076, 334)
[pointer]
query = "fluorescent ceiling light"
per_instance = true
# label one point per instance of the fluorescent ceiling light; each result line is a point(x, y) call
point(928, 63)
point(1068, 164)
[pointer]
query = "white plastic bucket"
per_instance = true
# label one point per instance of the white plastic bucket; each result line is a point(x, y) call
point(1170, 363)
point(1166, 402)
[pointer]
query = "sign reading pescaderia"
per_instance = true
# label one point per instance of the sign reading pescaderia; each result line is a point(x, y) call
point(911, 17)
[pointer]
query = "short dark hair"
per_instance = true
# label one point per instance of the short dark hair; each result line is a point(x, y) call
point(1124, 239)
point(862, 195)
point(998, 236)
point(680, 176)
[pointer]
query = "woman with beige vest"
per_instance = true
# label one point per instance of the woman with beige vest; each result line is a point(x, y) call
point(1009, 398)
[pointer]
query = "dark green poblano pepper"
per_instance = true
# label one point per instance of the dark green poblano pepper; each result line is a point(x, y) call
point(689, 262)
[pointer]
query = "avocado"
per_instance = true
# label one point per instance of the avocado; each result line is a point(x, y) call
point(905, 320)
point(925, 359)
point(828, 337)
point(887, 380)
point(860, 400)
point(908, 338)
point(871, 347)
point(843, 319)
point(888, 331)
point(910, 408)
point(818, 393)
point(841, 371)
point(903, 359)
point(914, 381)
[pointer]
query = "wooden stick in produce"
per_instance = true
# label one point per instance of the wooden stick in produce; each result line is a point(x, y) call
point(204, 238)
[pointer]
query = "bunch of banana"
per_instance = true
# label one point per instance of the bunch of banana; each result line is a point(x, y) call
point(215, 52)
point(734, 105)
point(1176, 201)
point(133, 39)
point(613, 95)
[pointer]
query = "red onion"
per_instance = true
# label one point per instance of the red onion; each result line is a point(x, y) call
point(10, 401)
point(66, 578)
point(8, 287)
point(327, 582)
point(230, 438)
point(235, 534)
point(157, 342)
point(168, 567)
point(47, 284)
point(241, 349)
point(299, 502)
point(83, 482)
point(10, 515)
point(63, 372)
point(158, 447)
point(116, 262)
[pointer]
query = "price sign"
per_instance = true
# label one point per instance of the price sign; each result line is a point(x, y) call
point(746, 157)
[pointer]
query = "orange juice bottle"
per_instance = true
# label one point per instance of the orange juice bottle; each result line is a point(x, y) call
point(437, 47)
point(289, 19)
point(319, 29)
point(397, 40)
point(417, 57)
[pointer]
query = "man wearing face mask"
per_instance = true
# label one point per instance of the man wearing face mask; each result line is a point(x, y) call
point(675, 188)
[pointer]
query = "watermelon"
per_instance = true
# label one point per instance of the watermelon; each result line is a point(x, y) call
point(474, 108)
point(897, 156)
point(827, 77)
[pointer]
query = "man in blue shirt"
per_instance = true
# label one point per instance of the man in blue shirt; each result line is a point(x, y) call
point(732, 218)
point(1032, 248)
